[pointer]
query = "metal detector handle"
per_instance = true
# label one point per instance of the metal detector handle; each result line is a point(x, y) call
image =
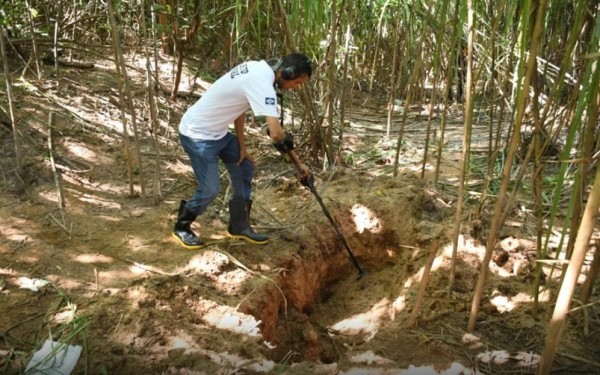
point(307, 181)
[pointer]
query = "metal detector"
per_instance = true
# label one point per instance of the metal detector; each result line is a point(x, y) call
point(309, 183)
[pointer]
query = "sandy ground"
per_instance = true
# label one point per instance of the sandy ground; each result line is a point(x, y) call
point(104, 273)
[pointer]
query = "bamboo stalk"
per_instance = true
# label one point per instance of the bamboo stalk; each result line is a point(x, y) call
point(316, 141)
point(572, 40)
point(446, 96)
point(331, 81)
point(181, 44)
point(60, 200)
point(581, 177)
point(538, 207)
point(344, 97)
point(506, 172)
point(423, 285)
point(11, 109)
point(465, 144)
point(56, 29)
point(416, 71)
point(36, 54)
point(125, 96)
point(561, 309)
point(591, 277)
point(125, 133)
point(395, 71)
point(151, 96)
point(435, 68)
point(380, 26)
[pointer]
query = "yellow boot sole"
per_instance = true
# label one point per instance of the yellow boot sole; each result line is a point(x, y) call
point(189, 247)
point(247, 239)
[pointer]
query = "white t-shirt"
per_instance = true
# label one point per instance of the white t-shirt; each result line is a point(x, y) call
point(249, 84)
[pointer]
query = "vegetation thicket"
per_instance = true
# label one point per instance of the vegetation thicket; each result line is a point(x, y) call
point(525, 70)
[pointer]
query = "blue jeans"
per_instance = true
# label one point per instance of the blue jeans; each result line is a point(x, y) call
point(204, 157)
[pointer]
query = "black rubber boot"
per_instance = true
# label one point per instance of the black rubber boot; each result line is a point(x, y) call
point(249, 209)
point(182, 231)
point(239, 227)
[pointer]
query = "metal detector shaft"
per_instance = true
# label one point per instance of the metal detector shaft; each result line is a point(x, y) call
point(311, 186)
point(308, 182)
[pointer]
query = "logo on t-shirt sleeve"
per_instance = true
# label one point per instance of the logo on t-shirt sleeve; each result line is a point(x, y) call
point(240, 69)
point(270, 101)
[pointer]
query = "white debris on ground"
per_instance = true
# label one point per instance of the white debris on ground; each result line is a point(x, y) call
point(370, 358)
point(500, 357)
point(32, 284)
point(454, 369)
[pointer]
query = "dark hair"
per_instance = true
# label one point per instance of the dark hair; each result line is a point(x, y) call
point(295, 65)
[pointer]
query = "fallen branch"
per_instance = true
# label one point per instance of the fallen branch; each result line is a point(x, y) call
point(76, 64)
point(34, 316)
point(10, 203)
point(579, 359)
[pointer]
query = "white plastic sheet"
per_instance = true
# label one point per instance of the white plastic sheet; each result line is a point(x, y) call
point(54, 358)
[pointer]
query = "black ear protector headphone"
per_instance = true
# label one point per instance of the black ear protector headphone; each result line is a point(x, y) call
point(288, 73)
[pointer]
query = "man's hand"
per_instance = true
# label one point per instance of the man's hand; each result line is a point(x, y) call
point(304, 174)
point(303, 171)
point(307, 180)
point(286, 145)
point(239, 124)
point(244, 154)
